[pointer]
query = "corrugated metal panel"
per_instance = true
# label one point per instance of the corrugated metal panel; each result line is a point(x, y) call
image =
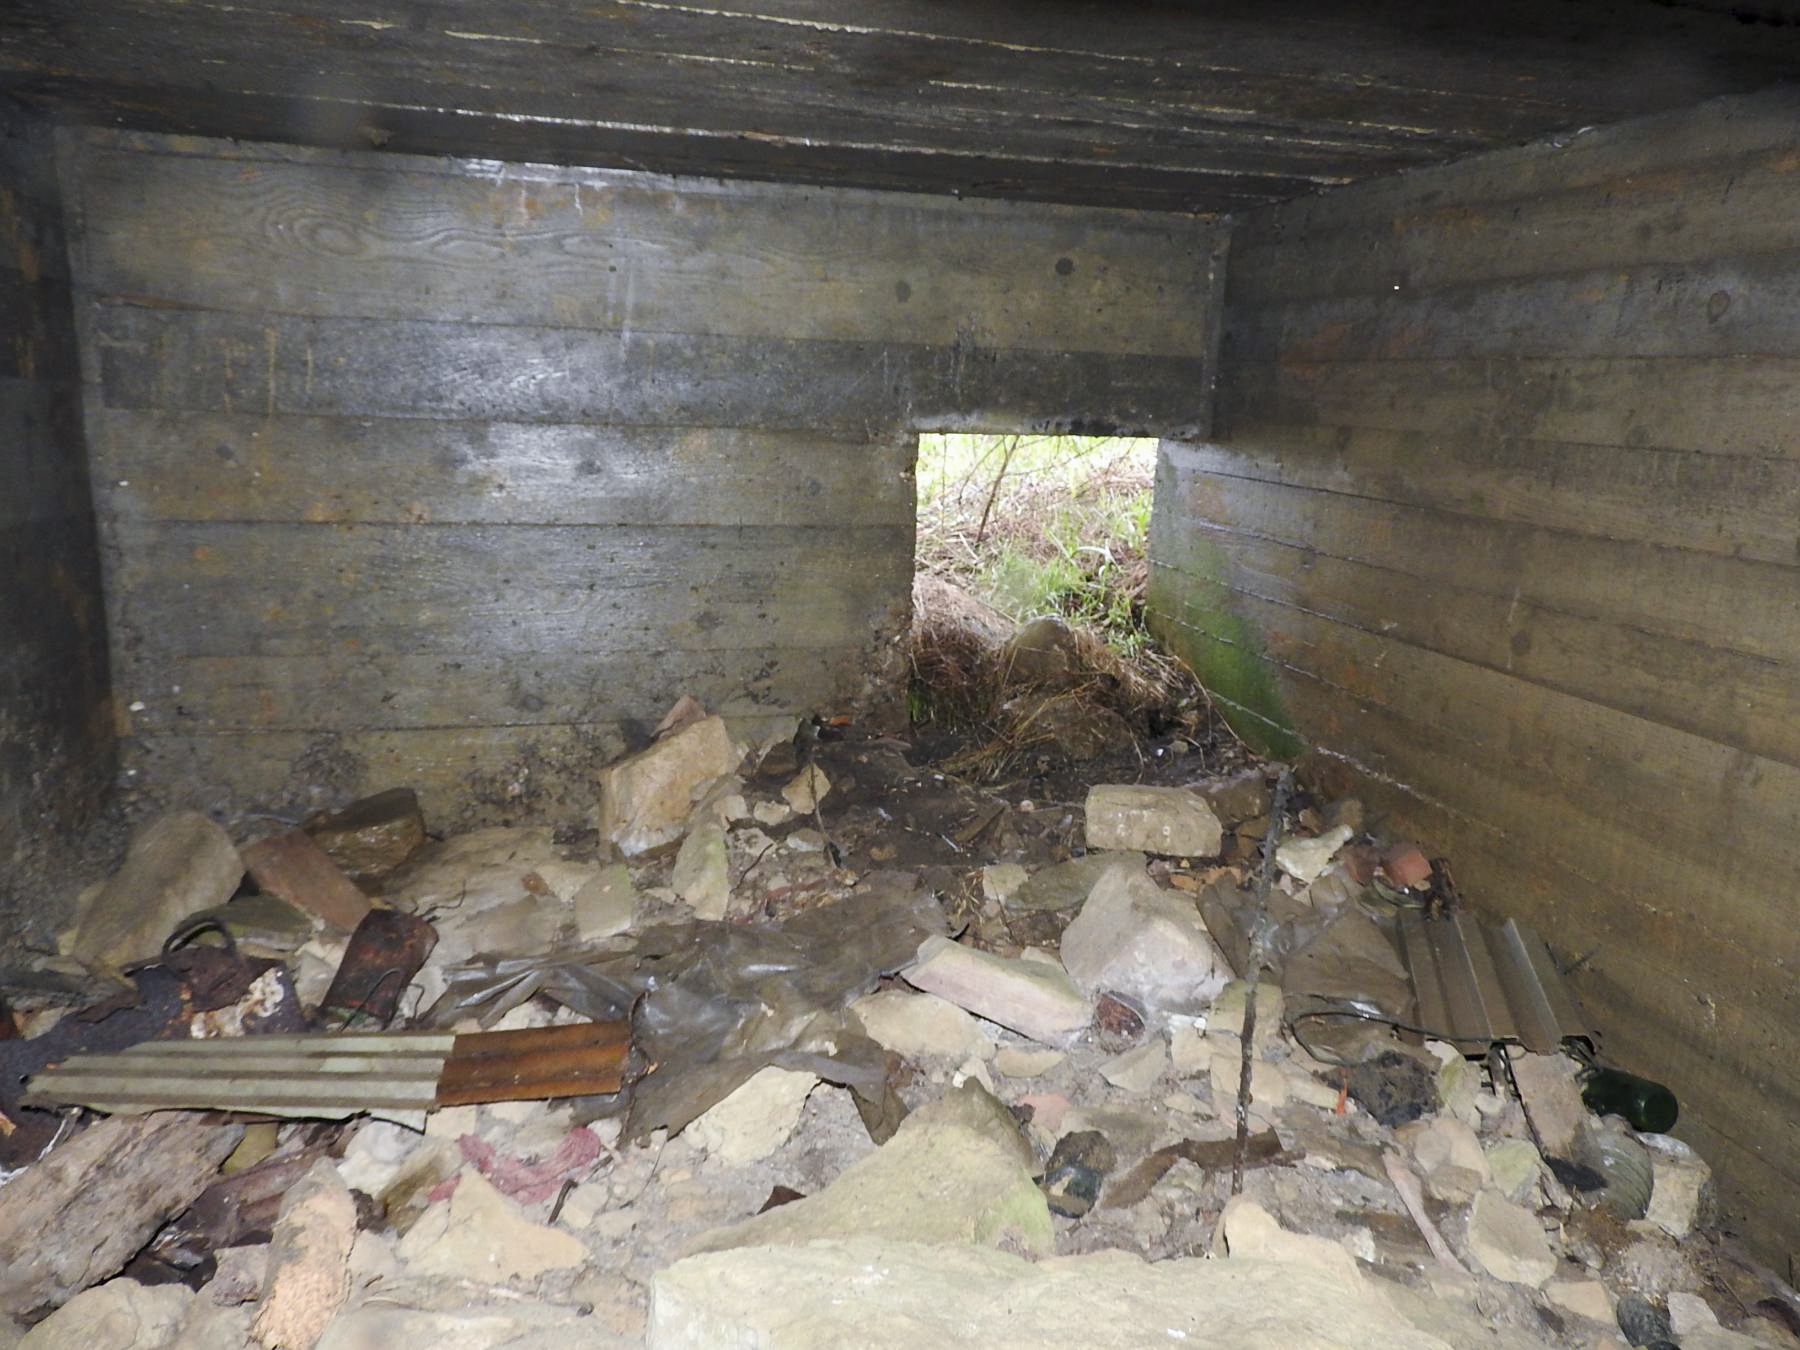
point(1480, 982)
point(397, 1075)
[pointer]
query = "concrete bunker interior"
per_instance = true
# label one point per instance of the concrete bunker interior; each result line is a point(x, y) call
point(428, 398)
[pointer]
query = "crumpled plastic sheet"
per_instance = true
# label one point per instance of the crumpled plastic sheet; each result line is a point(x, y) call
point(1332, 952)
point(712, 1003)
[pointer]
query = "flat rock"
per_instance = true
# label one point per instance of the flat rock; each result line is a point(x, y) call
point(176, 866)
point(1584, 1298)
point(1166, 820)
point(646, 799)
point(1000, 881)
point(702, 875)
point(1139, 1068)
point(1514, 1165)
point(1305, 860)
point(884, 1295)
point(1268, 1084)
point(480, 1235)
point(1250, 1232)
point(755, 1119)
point(1190, 1052)
point(1551, 1087)
point(1508, 1242)
point(293, 867)
point(521, 1325)
point(1134, 938)
point(1065, 885)
point(308, 1275)
point(606, 904)
point(806, 789)
point(117, 1315)
point(1680, 1185)
point(922, 1026)
point(373, 835)
point(1226, 1015)
point(956, 1171)
point(1444, 1139)
point(1034, 998)
point(1242, 796)
point(1015, 1061)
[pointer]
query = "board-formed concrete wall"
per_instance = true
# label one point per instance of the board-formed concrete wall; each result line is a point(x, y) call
point(1502, 514)
point(456, 474)
point(55, 718)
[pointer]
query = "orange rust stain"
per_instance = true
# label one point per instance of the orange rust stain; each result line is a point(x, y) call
point(1785, 163)
point(316, 514)
point(75, 599)
point(266, 702)
point(1324, 345)
point(273, 613)
point(1405, 341)
point(349, 576)
point(203, 553)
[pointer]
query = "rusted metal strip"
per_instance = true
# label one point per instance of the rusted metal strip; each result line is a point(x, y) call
point(1482, 983)
point(573, 1061)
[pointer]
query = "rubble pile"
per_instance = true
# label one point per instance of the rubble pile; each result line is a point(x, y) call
point(806, 1044)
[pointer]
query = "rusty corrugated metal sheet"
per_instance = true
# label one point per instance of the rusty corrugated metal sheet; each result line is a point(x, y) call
point(1477, 982)
point(398, 1075)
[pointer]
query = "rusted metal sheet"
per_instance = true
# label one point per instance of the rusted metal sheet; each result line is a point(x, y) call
point(1481, 982)
point(397, 1075)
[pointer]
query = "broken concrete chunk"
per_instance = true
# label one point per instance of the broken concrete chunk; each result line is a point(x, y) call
point(646, 799)
point(956, 1171)
point(605, 905)
point(1132, 937)
point(1163, 820)
point(118, 1315)
point(1305, 860)
point(922, 1026)
point(1508, 1242)
point(1065, 885)
point(1680, 1185)
point(372, 836)
point(702, 875)
point(1138, 1069)
point(309, 1262)
point(1034, 998)
point(480, 1235)
point(1514, 1165)
point(806, 789)
point(175, 867)
point(294, 867)
point(755, 1119)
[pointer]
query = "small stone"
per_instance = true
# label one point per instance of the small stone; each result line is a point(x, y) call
point(1250, 1231)
point(701, 875)
point(1226, 1016)
point(1066, 884)
point(922, 1026)
point(309, 1261)
point(1452, 1184)
point(1302, 1086)
point(1406, 866)
point(647, 798)
point(1041, 652)
point(1458, 1082)
point(1445, 1140)
point(373, 835)
point(176, 866)
point(1138, 1069)
point(1190, 1052)
point(1515, 1165)
point(1584, 1298)
point(999, 881)
point(1680, 1185)
point(806, 789)
point(605, 905)
point(1690, 1315)
point(118, 1315)
point(1133, 937)
point(1305, 860)
point(1020, 1062)
point(1268, 1084)
point(771, 813)
point(480, 1235)
point(238, 1275)
point(1508, 1242)
point(1033, 998)
point(584, 1204)
point(1165, 820)
point(756, 1119)
point(1241, 797)
point(807, 840)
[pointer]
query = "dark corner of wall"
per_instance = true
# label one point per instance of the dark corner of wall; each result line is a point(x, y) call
point(56, 724)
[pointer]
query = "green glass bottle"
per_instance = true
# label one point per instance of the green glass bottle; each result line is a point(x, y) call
point(1647, 1107)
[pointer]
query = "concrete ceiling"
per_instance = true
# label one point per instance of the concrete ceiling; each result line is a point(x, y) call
point(1202, 107)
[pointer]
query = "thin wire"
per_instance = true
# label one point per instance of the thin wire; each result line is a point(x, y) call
point(1293, 1027)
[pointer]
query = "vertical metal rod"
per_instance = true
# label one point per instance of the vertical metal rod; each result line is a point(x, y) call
point(1259, 935)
